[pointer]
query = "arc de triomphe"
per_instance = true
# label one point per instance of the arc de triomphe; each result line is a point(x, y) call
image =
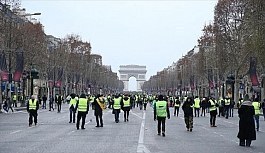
point(137, 71)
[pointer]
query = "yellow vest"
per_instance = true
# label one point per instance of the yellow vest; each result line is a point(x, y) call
point(117, 103)
point(126, 103)
point(33, 104)
point(82, 105)
point(212, 107)
point(197, 103)
point(256, 107)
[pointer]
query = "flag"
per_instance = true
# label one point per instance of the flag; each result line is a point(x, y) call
point(210, 78)
point(19, 65)
point(3, 67)
point(59, 77)
point(252, 71)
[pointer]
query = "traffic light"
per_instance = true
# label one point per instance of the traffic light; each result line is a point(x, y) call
point(34, 74)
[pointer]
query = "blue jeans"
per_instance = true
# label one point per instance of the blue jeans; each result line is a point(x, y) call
point(256, 117)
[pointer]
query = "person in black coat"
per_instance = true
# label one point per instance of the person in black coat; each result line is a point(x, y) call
point(187, 107)
point(247, 131)
point(99, 105)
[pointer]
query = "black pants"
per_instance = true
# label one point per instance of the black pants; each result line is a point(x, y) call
point(197, 112)
point(145, 104)
point(176, 109)
point(116, 114)
point(51, 106)
point(231, 112)
point(221, 111)
point(161, 120)
point(79, 116)
point(33, 113)
point(213, 117)
point(227, 111)
point(203, 111)
point(59, 107)
point(126, 115)
point(99, 119)
point(44, 104)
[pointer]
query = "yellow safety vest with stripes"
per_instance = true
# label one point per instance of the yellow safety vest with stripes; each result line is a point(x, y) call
point(82, 105)
point(33, 104)
point(213, 106)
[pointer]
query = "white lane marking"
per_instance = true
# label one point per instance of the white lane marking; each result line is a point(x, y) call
point(141, 147)
point(71, 132)
point(88, 121)
point(136, 115)
point(15, 131)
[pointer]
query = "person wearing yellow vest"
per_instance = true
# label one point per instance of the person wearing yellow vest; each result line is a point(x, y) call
point(197, 102)
point(32, 108)
point(176, 106)
point(117, 102)
point(227, 106)
point(99, 105)
point(145, 100)
point(213, 111)
point(161, 111)
point(126, 107)
point(257, 108)
point(221, 107)
point(72, 105)
point(82, 106)
point(14, 100)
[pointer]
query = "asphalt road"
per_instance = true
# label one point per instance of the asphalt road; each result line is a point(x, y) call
point(54, 134)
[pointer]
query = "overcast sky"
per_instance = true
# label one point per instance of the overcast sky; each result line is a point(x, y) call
point(154, 33)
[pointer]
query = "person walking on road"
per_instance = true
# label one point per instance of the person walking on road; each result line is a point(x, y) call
point(213, 111)
point(197, 102)
point(247, 131)
point(72, 105)
point(59, 103)
point(161, 111)
point(227, 106)
point(117, 107)
point(176, 106)
point(99, 105)
point(203, 106)
point(187, 107)
point(51, 99)
point(44, 100)
point(82, 106)
point(257, 108)
point(126, 107)
point(9, 104)
point(32, 108)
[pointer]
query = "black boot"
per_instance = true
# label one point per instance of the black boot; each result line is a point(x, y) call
point(248, 143)
point(242, 142)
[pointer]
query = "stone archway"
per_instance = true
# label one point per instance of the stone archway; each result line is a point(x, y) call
point(137, 71)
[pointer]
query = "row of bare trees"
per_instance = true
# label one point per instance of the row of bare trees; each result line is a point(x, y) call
point(223, 52)
point(66, 63)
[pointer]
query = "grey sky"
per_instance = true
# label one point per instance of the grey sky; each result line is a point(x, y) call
point(151, 33)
